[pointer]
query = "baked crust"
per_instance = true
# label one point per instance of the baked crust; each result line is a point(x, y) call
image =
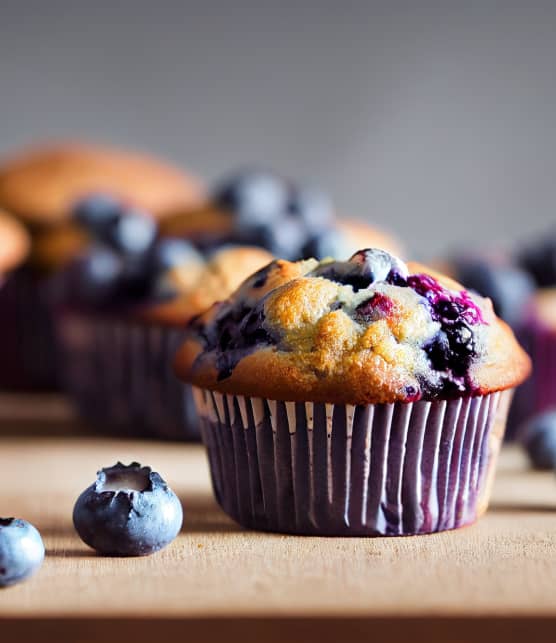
point(40, 184)
point(324, 354)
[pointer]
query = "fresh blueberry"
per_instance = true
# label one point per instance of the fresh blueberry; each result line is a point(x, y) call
point(329, 243)
point(95, 277)
point(507, 286)
point(539, 438)
point(97, 212)
point(255, 197)
point(540, 260)
point(133, 233)
point(128, 511)
point(21, 551)
point(313, 207)
point(169, 253)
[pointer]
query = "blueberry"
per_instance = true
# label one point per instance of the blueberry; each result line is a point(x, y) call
point(507, 286)
point(255, 197)
point(539, 438)
point(133, 233)
point(379, 264)
point(540, 260)
point(170, 253)
point(312, 207)
point(97, 212)
point(21, 551)
point(95, 277)
point(329, 243)
point(283, 238)
point(128, 511)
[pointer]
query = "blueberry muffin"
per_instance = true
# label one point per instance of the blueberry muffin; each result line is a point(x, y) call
point(290, 220)
point(359, 397)
point(121, 307)
point(40, 186)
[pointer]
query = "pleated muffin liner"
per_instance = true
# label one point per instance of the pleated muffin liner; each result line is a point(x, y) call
point(341, 470)
point(27, 338)
point(119, 375)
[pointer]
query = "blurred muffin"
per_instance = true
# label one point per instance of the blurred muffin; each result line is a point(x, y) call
point(123, 305)
point(40, 186)
point(360, 397)
point(14, 244)
point(290, 220)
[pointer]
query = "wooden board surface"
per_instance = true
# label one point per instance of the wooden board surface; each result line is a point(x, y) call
point(505, 566)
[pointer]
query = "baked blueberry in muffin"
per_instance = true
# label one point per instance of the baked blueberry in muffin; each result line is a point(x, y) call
point(358, 397)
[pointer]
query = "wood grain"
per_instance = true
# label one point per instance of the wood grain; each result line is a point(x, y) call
point(505, 566)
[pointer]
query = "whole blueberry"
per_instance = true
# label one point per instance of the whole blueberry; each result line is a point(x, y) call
point(507, 286)
point(540, 260)
point(254, 197)
point(169, 253)
point(330, 242)
point(133, 233)
point(539, 438)
point(128, 511)
point(97, 212)
point(95, 277)
point(313, 207)
point(21, 550)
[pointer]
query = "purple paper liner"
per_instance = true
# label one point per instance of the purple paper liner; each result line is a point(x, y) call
point(27, 338)
point(119, 375)
point(341, 470)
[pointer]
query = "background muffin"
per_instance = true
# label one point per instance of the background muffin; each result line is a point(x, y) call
point(14, 244)
point(287, 218)
point(367, 393)
point(40, 186)
point(122, 309)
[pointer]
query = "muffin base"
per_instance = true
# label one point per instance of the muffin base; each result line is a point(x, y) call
point(119, 376)
point(340, 470)
point(27, 338)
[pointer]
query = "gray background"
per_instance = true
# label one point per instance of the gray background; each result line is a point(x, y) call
point(435, 121)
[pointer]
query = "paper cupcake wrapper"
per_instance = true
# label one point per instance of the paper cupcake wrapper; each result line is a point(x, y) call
point(119, 375)
point(341, 470)
point(27, 339)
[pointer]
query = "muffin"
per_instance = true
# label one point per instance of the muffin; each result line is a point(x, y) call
point(121, 310)
point(14, 245)
point(40, 186)
point(347, 398)
point(289, 219)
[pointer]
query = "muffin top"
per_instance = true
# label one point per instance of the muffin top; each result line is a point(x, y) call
point(290, 219)
point(367, 330)
point(41, 184)
point(14, 243)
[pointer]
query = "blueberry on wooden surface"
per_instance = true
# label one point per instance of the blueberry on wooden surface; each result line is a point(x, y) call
point(21, 551)
point(128, 511)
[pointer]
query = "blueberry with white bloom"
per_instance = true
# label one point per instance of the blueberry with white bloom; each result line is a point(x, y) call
point(329, 242)
point(379, 264)
point(539, 438)
point(313, 207)
point(21, 551)
point(132, 234)
point(128, 511)
point(169, 253)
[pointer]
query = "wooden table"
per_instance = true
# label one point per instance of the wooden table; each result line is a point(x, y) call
point(493, 581)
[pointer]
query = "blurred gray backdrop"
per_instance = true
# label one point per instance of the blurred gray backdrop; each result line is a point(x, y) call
point(437, 120)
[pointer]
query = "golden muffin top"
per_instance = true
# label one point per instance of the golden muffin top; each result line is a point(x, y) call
point(368, 330)
point(42, 183)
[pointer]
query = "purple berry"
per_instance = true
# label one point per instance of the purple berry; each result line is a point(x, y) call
point(128, 511)
point(539, 439)
point(21, 551)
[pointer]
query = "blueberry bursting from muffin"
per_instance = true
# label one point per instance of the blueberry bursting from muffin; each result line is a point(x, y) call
point(439, 335)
